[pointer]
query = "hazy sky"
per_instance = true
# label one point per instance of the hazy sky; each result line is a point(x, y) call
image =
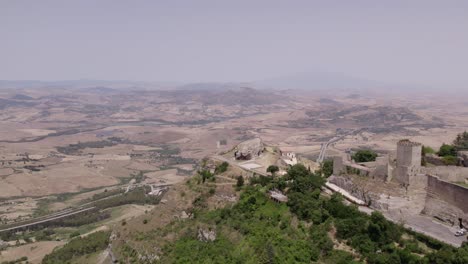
point(423, 42)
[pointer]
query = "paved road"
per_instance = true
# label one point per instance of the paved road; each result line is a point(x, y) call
point(323, 149)
point(47, 220)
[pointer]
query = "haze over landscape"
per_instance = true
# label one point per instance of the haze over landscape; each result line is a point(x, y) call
point(403, 42)
point(233, 132)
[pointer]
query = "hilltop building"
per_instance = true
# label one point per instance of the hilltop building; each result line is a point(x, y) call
point(436, 191)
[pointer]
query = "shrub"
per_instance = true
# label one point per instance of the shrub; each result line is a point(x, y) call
point(447, 150)
point(222, 167)
point(75, 234)
point(450, 160)
point(212, 191)
point(272, 169)
point(240, 181)
point(364, 155)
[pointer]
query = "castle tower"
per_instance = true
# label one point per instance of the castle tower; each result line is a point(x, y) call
point(338, 166)
point(408, 161)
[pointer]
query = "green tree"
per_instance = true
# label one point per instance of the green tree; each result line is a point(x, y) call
point(364, 155)
point(240, 181)
point(327, 168)
point(303, 180)
point(272, 169)
point(461, 142)
point(222, 167)
point(447, 150)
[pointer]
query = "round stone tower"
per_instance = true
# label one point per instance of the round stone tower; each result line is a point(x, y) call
point(408, 162)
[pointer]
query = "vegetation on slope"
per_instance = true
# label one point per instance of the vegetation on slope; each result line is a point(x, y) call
point(309, 228)
point(78, 247)
point(326, 168)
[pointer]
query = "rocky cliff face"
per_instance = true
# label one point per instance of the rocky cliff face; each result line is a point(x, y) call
point(249, 149)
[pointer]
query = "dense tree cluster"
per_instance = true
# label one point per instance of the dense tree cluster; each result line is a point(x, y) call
point(135, 196)
point(78, 247)
point(364, 155)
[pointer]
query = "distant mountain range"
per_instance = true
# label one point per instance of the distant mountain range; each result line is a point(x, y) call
point(11, 84)
point(329, 81)
point(313, 81)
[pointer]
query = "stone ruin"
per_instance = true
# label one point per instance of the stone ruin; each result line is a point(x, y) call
point(249, 149)
point(402, 169)
point(434, 191)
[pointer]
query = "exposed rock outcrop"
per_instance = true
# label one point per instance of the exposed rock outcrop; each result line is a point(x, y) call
point(3, 245)
point(206, 235)
point(249, 149)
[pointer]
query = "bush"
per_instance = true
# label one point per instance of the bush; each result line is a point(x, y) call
point(364, 155)
point(447, 150)
point(240, 181)
point(262, 180)
point(427, 150)
point(272, 169)
point(75, 234)
point(222, 167)
point(450, 160)
point(206, 175)
point(212, 191)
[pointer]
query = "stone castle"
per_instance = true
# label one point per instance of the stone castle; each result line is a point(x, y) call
point(437, 191)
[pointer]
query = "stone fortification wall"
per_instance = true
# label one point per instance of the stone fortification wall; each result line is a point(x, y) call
point(446, 201)
point(380, 170)
point(463, 158)
point(448, 173)
point(353, 189)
